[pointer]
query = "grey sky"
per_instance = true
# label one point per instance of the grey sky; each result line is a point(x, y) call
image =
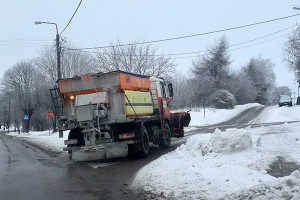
point(98, 23)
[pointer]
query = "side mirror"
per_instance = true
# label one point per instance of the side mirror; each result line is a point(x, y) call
point(170, 88)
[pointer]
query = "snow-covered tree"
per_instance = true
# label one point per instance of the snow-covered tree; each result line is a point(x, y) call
point(214, 64)
point(222, 99)
point(291, 52)
point(242, 88)
point(262, 77)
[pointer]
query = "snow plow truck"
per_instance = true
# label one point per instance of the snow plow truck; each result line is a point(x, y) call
point(115, 114)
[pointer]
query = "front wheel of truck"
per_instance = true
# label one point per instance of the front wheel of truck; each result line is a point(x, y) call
point(165, 139)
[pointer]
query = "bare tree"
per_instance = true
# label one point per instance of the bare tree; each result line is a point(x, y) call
point(135, 58)
point(73, 62)
point(24, 84)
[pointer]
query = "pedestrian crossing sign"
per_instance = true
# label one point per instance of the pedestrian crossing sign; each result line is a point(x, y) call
point(26, 117)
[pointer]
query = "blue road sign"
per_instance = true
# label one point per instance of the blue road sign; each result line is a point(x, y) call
point(26, 117)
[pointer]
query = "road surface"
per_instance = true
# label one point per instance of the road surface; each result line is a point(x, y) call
point(27, 172)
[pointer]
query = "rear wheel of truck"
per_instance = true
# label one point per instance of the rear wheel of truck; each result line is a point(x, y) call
point(165, 140)
point(144, 144)
point(140, 149)
point(76, 134)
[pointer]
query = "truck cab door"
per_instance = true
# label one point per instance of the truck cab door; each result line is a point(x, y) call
point(164, 99)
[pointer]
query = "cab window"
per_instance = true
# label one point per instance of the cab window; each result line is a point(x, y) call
point(162, 89)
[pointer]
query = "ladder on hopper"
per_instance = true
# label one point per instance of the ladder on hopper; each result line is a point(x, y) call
point(57, 101)
point(154, 94)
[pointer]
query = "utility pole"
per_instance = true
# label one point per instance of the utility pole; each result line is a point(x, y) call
point(8, 118)
point(204, 101)
point(5, 117)
point(58, 55)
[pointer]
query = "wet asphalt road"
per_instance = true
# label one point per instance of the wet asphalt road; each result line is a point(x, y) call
point(27, 172)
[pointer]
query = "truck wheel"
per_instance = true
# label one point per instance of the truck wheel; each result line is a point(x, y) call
point(144, 144)
point(76, 134)
point(165, 140)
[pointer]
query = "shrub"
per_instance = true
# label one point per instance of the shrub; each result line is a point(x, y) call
point(222, 99)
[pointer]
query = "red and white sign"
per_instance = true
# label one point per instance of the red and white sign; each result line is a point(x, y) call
point(49, 114)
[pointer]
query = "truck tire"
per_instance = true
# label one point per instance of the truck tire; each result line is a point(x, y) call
point(165, 140)
point(76, 134)
point(144, 144)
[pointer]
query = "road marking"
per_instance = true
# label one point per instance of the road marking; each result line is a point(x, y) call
point(102, 165)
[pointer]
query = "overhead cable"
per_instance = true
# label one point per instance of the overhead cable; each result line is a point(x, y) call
point(71, 17)
point(202, 51)
point(194, 35)
point(230, 50)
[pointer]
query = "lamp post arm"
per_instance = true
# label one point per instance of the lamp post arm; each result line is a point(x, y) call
point(57, 47)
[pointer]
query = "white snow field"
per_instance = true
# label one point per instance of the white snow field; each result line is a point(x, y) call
point(43, 140)
point(231, 164)
point(214, 116)
point(279, 114)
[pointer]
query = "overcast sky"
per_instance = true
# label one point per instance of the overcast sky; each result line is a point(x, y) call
point(98, 23)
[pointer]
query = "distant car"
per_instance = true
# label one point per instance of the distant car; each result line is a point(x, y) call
point(285, 100)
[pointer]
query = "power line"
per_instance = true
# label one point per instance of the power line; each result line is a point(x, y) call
point(230, 50)
point(202, 51)
point(259, 43)
point(26, 40)
point(194, 52)
point(194, 35)
point(72, 17)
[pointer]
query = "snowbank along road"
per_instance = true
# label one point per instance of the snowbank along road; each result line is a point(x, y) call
point(262, 162)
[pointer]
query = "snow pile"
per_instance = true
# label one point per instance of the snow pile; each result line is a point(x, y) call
point(226, 165)
point(214, 116)
point(219, 142)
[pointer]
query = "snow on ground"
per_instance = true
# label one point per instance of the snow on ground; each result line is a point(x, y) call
point(279, 114)
point(231, 164)
point(43, 140)
point(226, 165)
point(214, 116)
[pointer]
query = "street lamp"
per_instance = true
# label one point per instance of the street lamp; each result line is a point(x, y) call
point(57, 46)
